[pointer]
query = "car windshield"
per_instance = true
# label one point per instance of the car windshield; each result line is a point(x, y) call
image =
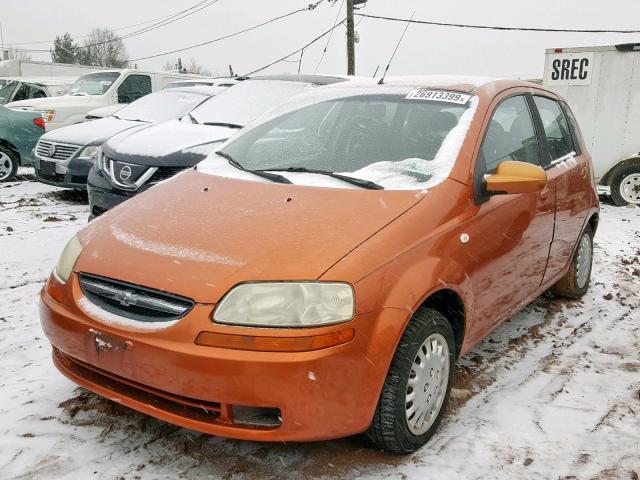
point(161, 106)
point(241, 103)
point(396, 141)
point(6, 89)
point(94, 83)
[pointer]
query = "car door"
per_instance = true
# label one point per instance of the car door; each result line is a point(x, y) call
point(512, 232)
point(568, 172)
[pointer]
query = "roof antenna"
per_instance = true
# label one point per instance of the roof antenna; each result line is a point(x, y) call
point(381, 82)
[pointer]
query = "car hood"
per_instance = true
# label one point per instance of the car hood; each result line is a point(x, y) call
point(51, 103)
point(90, 133)
point(173, 143)
point(198, 235)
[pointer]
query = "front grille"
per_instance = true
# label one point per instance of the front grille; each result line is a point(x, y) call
point(126, 176)
point(132, 301)
point(55, 151)
point(164, 173)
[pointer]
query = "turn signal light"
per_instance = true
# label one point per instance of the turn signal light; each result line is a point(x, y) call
point(55, 288)
point(275, 344)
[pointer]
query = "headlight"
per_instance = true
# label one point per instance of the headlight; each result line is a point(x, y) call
point(48, 115)
point(286, 304)
point(89, 153)
point(68, 259)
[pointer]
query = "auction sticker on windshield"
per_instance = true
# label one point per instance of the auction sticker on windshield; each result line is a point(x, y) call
point(439, 96)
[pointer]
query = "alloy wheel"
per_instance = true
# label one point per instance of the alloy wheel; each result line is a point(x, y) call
point(6, 166)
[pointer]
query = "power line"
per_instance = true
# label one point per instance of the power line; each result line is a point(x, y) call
point(494, 27)
point(324, 52)
point(224, 37)
point(163, 18)
point(318, 38)
point(164, 23)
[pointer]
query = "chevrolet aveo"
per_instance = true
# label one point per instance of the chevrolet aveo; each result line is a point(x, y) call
point(318, 275)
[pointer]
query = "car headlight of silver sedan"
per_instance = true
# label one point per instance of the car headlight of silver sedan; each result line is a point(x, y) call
point(286, 304)
point(89, 153)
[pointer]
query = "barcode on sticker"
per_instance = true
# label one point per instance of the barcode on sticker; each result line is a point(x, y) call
point(439, 96)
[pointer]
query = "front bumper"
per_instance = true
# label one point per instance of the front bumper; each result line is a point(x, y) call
point(102, 195)
point(322, 394)
point(69, 174)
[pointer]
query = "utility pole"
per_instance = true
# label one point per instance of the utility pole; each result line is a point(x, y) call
point(351, 40)
point(2, 55)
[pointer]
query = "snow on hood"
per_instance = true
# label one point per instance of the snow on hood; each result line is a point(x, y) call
point(198, 235)
point(89, 133)
point(165, 139)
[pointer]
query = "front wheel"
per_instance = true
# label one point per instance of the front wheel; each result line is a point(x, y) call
point(625, 186)
point(416, 390)
point(576, 281)
point(8, 165)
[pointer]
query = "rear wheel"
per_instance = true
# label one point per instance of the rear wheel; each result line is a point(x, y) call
point(625, 186)
point(416, 390)
point(8, 164)
point(576, 281)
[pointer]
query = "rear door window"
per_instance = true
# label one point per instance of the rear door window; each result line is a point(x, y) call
point(556, 127)
point(134, 87)
point(573, 127)
point(511, 135)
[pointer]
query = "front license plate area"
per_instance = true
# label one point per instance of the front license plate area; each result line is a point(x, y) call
point(47, 168)
point(104, 343)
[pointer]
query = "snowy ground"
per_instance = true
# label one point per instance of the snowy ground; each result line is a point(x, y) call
point(553, 394)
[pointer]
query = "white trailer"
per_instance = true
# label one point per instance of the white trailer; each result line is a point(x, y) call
point(29, 68)
point(602, 86)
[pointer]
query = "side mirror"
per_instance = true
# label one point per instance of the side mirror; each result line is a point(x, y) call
point(515, 177)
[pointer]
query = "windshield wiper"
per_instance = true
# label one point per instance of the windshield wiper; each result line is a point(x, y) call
point(222, 124)
point(359, 182)
point(258, 173)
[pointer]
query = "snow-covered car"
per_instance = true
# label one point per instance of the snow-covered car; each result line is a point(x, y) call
point(320, 273)
point(65, 156)
point(139, 158)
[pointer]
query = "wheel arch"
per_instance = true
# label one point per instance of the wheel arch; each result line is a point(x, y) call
point(8, 145)
point(607, 178)
point(450, 304)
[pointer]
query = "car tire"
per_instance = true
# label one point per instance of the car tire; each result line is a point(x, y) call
point(393, 429)
point(8, 164)
point(625, 185)
point(575, 283)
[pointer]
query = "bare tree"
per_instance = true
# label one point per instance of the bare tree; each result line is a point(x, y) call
point(194, 67)
point(103, 48)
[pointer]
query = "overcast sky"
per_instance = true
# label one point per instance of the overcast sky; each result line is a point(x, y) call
point(426, 49)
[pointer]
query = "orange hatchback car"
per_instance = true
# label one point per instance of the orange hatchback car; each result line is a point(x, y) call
point(318, 275)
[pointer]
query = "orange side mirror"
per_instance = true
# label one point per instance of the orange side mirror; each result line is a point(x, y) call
point(516, 177)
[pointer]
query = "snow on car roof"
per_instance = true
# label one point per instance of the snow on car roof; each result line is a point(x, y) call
point(462, 83)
